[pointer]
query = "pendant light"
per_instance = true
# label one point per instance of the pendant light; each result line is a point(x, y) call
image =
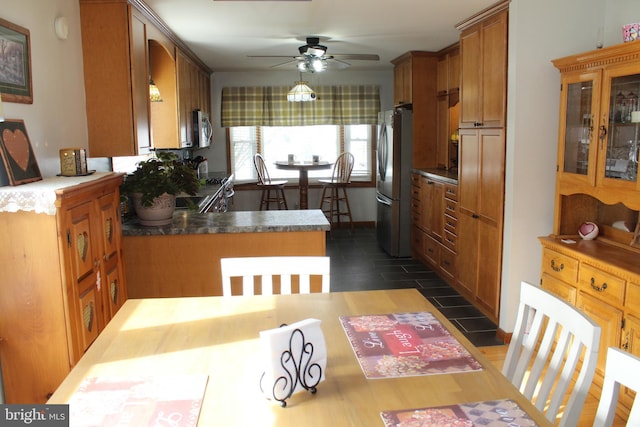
point(301, 92)
point(154, 92)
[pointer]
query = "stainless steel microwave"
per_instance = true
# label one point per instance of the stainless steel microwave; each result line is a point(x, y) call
point(202, 129)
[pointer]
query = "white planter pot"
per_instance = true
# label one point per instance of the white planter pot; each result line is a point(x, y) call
point(159, 213)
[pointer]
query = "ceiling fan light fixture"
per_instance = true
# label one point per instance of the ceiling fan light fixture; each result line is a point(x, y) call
point(318, 64)
point(302, 67)
point(301, 93)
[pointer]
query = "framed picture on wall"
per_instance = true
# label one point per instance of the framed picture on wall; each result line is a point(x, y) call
point(17, 155)
point(15, 63)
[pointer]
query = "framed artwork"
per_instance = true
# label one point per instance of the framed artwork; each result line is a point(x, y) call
point(16, 152)
point(15, 63)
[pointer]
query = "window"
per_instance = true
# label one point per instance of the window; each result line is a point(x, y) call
point(277, 142)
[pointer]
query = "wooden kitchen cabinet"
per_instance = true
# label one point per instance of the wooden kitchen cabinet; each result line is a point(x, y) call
point(116, 78)
point(481, 157)
point(480, 217)
point(125, 45)
point(415, 75)
point(434, 228)
point(483, 68)
point(63, 280)
point(193, 94)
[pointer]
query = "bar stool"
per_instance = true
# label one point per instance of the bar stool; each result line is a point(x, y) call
point(340, 179)
point(268, 186)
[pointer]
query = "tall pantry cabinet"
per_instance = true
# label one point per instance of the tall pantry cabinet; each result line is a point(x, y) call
point(62, 277)
point(483, 67)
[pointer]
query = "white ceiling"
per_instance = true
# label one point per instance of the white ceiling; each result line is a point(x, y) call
point(224, 32)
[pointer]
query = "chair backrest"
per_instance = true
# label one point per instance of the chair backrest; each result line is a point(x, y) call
point(622, 368)
point(249, 268)
point(342, 168)
point(261, 169)
point(551, 341)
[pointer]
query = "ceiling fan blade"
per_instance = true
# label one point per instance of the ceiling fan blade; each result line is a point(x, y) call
point(356, 56)
point(273, 56)
point(291, 61)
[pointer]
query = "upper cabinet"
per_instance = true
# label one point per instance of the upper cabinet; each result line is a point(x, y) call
point(193, 94)
point(114, 50)
point(483, 50)
point(125, 45)
point(448, 107)
point(599, 123)
point(415, 87)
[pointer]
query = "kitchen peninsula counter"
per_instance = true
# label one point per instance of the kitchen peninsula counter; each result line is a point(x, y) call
point(192, 222)
point(182, 259)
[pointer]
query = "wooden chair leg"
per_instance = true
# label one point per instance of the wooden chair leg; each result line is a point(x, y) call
point(284, 200)
point(346, 200)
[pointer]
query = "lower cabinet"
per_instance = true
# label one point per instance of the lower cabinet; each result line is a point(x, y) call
point(435, 224)
point(62, 281)
point(604, 288)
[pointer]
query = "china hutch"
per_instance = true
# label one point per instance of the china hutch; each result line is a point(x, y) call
point(597, 181)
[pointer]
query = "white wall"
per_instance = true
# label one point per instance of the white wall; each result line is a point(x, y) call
point(57, 117)
point(362, 200)
point(539, 32)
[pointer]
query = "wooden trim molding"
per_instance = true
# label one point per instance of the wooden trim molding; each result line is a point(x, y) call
point(483, 14)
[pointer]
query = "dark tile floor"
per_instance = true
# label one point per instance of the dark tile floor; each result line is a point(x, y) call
point(359, 263)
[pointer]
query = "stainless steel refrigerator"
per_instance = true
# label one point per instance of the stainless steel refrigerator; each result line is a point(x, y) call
point(394, 154)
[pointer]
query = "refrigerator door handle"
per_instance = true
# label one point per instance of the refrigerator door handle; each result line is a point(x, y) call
point(382, 199)
point(382, 152)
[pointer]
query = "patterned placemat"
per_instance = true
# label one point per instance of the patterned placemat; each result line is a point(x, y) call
point(405, 344)
point(494, 413)
point(138, 401)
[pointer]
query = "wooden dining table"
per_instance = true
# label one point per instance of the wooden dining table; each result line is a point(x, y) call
point(303, 169)
point(219, 337)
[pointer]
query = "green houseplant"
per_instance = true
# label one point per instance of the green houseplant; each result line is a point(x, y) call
point(154, 184)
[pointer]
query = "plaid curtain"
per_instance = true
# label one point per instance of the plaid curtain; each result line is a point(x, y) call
point(268, 106)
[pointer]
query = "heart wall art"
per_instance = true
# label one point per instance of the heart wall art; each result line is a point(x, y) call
point(17, 155)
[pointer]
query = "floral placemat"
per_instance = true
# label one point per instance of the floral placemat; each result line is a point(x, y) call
point(495, 413)
point(138, 401)
point(405, 344)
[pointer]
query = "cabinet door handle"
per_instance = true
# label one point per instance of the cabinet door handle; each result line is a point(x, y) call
point(556, 268)
point(476, 216)
point(477, 124)
point(596, 287)
point(602, 136)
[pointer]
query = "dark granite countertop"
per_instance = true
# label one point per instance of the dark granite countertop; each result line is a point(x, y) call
point(192, 222)
point(442, 174)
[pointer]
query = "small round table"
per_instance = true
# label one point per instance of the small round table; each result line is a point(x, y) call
point(303, 181)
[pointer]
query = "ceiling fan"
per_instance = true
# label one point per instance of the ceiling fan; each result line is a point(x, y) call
point(313, 57)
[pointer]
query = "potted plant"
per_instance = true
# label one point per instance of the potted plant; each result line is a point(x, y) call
point(154, 184)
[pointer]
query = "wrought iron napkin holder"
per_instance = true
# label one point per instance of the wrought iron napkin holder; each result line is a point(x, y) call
point(295, 359)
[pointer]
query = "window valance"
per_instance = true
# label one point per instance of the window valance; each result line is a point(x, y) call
point(268, 106)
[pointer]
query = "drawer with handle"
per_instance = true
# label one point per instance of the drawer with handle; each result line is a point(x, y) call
point(560, 266)
point(450, 208)
point(451, 191)
point(601, 284)
point(450, 240)
point(450, 224)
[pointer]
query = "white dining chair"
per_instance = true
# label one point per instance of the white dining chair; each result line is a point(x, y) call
point(305, 268)
point(622, 368)
point(553, 354)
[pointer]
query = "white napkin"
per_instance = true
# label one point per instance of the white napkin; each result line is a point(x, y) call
point(304, 356)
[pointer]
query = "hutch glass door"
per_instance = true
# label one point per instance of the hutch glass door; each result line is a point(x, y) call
point(622, 136)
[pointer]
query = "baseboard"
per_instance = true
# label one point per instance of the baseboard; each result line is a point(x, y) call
point(503, 336)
